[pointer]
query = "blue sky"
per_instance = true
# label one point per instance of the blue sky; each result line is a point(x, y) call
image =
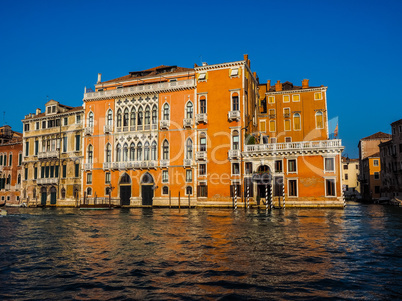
point(55, 48)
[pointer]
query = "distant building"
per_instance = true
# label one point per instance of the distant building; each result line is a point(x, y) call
point(391, 163)
point(52, 156)
point(350, 177)
point(370, 166)
point(10, 165)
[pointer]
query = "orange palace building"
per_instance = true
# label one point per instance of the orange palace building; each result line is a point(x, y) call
point(207, 136)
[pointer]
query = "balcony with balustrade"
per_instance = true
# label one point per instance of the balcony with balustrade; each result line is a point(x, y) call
point(201, 118)
point(234, 154)
point(187, 162)
point(108, 128)
point(234, 115)
point(47, 181)
point(303, 147)
point(165, 124)
point(88, 130)
point(48, 155)
point(201, 156)
point(107, 165)
point(88, 166)
point(164, 163)
point(187, 122)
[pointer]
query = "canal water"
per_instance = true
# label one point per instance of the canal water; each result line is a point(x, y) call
point(201, 254)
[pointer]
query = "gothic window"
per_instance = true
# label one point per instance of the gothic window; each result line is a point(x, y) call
point(132, 118)
point(146, 151)
point(91, 119)
point(132, 152)
point(90, 153)
point(147, 116)
point(189, 110)
point(140, 116)
point(109, 117)
point(108, 153)
point(139, 151)
point(125, 117)
point(153, 151)
point(118, 153)
point(166, 112)
point(165, 150)
point(154, 120)
point(125, 152)
point(189, 149)
point(119, 118)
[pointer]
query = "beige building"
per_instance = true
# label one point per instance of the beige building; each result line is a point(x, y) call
point(52, 156)
point(350, 177)
point(391, 163)
point(369, 164)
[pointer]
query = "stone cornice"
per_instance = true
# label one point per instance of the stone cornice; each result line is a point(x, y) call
point(319, 89)
point(219, 66)
point(52, 116)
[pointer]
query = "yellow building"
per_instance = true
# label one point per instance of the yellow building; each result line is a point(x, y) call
point(52, 156)
point(350, 177)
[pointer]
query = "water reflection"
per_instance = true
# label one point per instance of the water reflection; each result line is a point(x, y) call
point(201, 253)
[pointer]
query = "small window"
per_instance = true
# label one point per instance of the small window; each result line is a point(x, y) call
point(202, 76)
point(235, 168)
point(262, 126)
point(286, 98)
point(189, 190)
point(89, 191)
point(288, 139)
point(375, 162)
point(292, 188)
point(376, 175)
point(292, 165)
point(234, 72)
point(278, 166)
point(189, 175)
point(249, 168)
point(345, 166)
point(296, 97)
point(329, 164)
point(272, 126)
point(330, 187)
point(202, 170)
point(287, 124)
point(107, 178)
point(89, 178)
point(346, 176)
point(165, 190)
point(271, 99)
point(317, 96)
point(26, 127)
point(65, 121)
point(165, 176)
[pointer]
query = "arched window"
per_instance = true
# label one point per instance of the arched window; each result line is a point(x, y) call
point(140, 116)
point(139, 151)
point(189, 110)
point(147, 116)
point(89, 191)
point(165, 150)
point(319, 120)
point(146, 151)
point(132, 119)
point(109, 120)
point(63, 193)
point(119, 118)
point(125, 117)
point(91, 119)
point(154, 112)
point(189, 190)
point(19, 179)
point(189, 149)
point(296, 121)
point(125, 152)
point(203, 105)
point(90, 153)
point(235, 140)
point(153, 151)
point(118, 153)
point(166, 112)
point(203, 142)
point(132, 151)
point(108, 155)
point(235, 102)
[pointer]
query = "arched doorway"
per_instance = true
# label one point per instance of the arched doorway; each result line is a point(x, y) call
point(53, 195)
point(147, 189)
point(43, 197)
point(263, 178)
point(125, 190)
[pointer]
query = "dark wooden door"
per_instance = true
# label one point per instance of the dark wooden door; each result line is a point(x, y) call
point(43, 198)
point(147, 195)
point(125, 194)
point(53, 198)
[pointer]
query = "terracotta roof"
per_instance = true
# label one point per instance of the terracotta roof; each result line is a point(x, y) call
point(155, 71)
point(288, 86)
point(378, 135)
point(73, 109)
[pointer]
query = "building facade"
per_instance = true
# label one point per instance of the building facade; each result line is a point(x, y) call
point(350, 177)
point(391, 163)
point(370, 165)
point(171, 135)
point(10, 165)
point(52, 156)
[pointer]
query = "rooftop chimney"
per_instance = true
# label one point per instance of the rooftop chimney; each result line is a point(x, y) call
point(204, 64)
point(268, 85)
point(99, 78)
point(305, 83)
point(38, 111)
point(278, 86)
